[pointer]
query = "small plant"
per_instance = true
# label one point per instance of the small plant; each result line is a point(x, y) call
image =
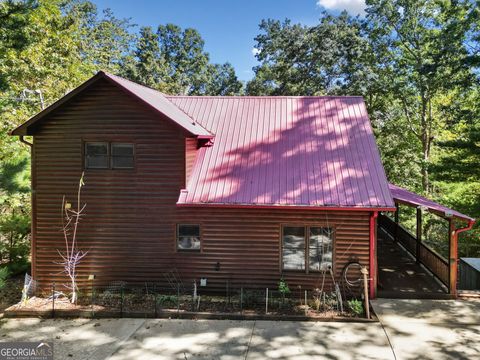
point(283, 289)
point(167, 300)
point(355, 306)
point(252, 297)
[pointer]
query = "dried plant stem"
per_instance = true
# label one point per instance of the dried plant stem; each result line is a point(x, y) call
point(72, 256)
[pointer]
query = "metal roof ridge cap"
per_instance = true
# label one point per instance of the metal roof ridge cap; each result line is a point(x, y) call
point(264, 96)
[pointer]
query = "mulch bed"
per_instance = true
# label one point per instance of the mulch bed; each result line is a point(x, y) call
point(37, 306)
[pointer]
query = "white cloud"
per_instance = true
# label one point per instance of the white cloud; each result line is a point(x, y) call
point(353, 7)
point(255, 51)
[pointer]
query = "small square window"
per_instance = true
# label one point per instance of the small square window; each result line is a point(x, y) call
point(96, 155)
point(188, 237)
point(122, 156)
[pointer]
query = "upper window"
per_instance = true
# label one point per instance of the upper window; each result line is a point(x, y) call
point(104, 155)
point(188, 237)
point(304, 246)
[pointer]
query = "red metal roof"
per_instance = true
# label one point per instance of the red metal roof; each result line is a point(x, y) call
point(285, 151)
point(154, 99)
point(404, 196)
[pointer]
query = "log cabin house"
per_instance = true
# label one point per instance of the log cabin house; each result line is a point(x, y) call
point(237, 188)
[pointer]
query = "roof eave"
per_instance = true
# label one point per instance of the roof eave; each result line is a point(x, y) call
point(285, 206)
point(23, 129)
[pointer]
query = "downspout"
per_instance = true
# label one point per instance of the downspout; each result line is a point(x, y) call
point(25, 141)
point(373, 263)
point(454, 255)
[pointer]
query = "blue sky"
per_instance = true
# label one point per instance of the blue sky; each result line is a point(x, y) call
point(228, 27)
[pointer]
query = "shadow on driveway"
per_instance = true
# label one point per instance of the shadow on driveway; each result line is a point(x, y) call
point(203, 339)
point(431, 329)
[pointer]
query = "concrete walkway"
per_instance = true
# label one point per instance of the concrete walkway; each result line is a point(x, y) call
point(409, 329)
point(431, 329)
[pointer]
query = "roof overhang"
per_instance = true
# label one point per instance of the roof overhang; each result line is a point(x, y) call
point(406, 197)
point(153, 99)
point(284, 207)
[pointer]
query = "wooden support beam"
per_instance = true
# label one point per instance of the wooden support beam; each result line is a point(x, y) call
point(419, 233)
point(452, 258)
point(397, 221)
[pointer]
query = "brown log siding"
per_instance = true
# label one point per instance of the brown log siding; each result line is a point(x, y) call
point(190, 156)
point(131, 215)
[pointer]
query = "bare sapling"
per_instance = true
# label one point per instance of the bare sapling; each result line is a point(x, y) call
point(72, 256)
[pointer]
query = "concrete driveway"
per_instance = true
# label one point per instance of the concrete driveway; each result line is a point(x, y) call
point(203, 339)
point(410, 329)
point(431, 329)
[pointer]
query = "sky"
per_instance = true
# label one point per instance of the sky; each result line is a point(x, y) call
point(227, 27)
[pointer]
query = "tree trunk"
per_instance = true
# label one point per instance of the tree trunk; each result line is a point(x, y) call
point(74, 291)
point(425, 139)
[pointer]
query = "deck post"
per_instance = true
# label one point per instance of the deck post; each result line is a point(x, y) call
point(452, 257)
point(397, 220)
point(373, 255)
point(419, 233)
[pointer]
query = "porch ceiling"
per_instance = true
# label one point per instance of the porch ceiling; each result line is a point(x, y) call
point(404, 196)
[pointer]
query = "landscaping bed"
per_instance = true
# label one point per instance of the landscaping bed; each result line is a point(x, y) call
point(138, 304)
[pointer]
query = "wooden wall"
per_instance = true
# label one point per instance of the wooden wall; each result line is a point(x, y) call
point(131, 215)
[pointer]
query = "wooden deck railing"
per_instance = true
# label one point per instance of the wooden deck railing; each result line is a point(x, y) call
point(432, 260)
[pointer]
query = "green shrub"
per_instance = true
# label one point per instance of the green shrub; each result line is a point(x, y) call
point(283, 287)
point(3, 277)
point(18, 267)
point(355, 306)
point(167, 300)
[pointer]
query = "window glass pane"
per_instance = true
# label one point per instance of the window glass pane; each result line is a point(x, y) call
point(188, 237)
point(122, 162)
point(122, 149)
point(320, 248)
point(96, 155)
point(122, 156)
point(293, 255)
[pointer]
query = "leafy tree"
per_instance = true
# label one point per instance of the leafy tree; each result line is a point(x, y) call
point(148, 67)
point(14, 32)
point(329, 58)
point(423, 48)
point(104, 41)
point(222, 80)
point(173, 61)
point(186, 61)
point(14, 210)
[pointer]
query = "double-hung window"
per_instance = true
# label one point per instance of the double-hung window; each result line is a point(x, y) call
point(307, 247)
point(105, 155)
